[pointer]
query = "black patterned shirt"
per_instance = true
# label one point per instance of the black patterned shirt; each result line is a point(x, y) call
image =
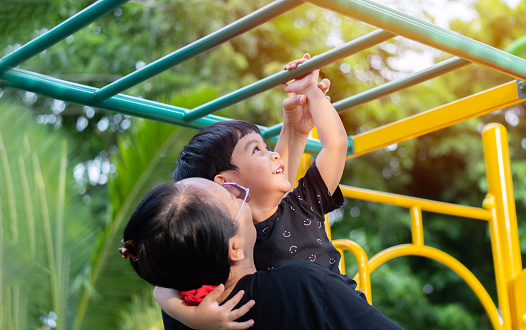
point(297, 231)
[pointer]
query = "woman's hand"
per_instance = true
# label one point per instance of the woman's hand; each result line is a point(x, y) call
point(212, 315)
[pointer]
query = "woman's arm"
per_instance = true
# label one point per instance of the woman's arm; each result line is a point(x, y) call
point(209, 314)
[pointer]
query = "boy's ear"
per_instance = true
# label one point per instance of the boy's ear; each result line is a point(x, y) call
point(220, 178)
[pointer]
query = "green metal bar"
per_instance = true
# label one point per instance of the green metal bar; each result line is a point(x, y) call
point(82, 94)
point(388, 88)
point(518, 47)
point(226, 33)
point(397, 85)
point(428, 34)
point(276, 79)
point(121, 103)
point(313, 146)
point(58, 33)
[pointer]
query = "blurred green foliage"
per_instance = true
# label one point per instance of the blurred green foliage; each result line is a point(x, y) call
point(117, 159)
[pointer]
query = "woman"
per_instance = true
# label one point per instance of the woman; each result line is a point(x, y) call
point(195, 232)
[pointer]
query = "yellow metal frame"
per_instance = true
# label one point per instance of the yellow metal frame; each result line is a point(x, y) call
point(435, 119)
point(498, 206)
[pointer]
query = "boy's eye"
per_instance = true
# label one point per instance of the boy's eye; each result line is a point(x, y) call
point(255, 149)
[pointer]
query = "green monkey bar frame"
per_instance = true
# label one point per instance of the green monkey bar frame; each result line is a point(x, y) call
point(391, 23)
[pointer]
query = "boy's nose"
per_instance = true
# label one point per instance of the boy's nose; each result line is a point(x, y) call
point(274, 155)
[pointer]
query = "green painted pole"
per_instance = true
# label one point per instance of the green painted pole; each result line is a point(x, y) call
point(518, 47)
point(428, 34)
point(226, 33)
point(397, 85)
point(82, 94)
point(276, 79)
point(121, 103)
point(58, 33)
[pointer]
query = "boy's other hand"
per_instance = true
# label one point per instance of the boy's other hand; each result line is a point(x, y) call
point(295, 112)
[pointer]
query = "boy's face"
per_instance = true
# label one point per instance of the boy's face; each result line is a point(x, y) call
point(260, 170)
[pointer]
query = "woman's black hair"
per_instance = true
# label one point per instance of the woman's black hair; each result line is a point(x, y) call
point(209, 152)
point(180, 237)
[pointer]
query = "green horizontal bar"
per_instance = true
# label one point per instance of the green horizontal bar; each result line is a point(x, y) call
point(226, 33)
point(58, 33)
point(276, 79)
point(428, 34)
point(273, 131)
point(121, 103)
point(518, 47)
point(313, 146)
point(397, 85)
point(82, 94)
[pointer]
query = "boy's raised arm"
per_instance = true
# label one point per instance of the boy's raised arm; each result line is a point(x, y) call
point(297, 124)
point(291, 141)
point(332, 134)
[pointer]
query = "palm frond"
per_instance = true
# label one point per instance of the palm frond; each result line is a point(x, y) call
point(45, 236)
point(141, 313)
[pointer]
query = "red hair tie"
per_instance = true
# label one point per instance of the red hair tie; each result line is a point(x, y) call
point(195, 296)
point(126, 250)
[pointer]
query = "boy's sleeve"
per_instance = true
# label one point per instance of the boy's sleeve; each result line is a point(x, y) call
point(313, 190)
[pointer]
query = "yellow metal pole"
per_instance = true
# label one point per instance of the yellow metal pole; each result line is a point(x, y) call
point(423, 204)
point(498, 262)
point(500, 186)
point(517, 301)
point(417, 229)
point(363, 278)
point(432, 120)
point(447, 260)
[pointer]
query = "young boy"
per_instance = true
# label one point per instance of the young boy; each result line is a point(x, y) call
point(289, 224)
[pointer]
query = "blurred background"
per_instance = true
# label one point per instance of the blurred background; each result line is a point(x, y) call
point(71, 175)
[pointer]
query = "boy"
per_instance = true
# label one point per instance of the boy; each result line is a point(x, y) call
point(289, 224)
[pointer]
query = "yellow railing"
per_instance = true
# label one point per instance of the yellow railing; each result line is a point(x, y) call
point(432, 120)
point(417, 248)
point(498, 206)
point(498, 210)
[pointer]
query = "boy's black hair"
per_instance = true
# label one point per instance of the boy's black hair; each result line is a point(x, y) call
point(209, 152)
point(180, 238)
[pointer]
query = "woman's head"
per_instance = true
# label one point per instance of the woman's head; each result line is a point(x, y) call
point(180, 234)
point(209, 152)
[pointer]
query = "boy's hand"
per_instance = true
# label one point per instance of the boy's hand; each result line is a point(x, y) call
point(302, 84)
point(215, 316)
point(294, 64)
point(295, 111)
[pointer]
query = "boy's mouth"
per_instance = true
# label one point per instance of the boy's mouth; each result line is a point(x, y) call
point(280, 170)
